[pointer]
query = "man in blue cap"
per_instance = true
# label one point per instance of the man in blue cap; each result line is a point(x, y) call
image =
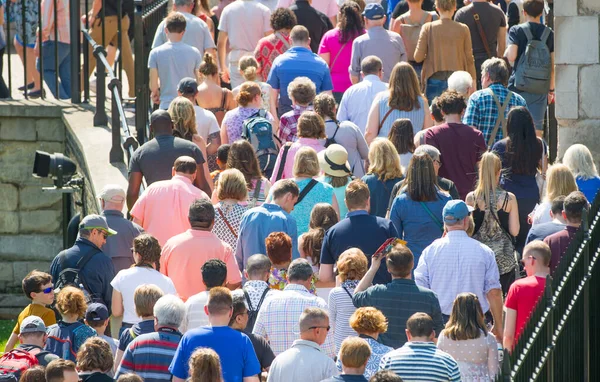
point(386, 45)
point(456, 264)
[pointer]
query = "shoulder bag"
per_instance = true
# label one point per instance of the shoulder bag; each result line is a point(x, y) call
point(482, 35)
point(227, 222)
point(306, 190)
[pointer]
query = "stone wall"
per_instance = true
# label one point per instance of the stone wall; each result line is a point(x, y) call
point(577, 59)
point(30, 219)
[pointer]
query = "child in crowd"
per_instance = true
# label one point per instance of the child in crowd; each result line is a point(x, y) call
point(144, 298)
point(222, 155)
point(38, 287)
point(66, 337)
point(97, 317)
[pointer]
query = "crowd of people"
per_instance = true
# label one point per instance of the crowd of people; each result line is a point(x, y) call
point(336, 191)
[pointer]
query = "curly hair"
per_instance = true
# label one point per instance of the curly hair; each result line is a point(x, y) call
point(303, 90)
point(351, 21)
point(325, 106)
point(205, 366)
point(94, 354)
point(322, 217)
point(71, 300)
point(368, 320)
point(283, 18)
point(451, 102)
point(352, 264)
point(183, 115)
point(149, 250)
point(279, 248)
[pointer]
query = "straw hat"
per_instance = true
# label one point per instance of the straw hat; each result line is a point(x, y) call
point(334, 161)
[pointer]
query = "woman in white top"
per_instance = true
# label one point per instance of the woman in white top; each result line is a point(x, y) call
point(560, 181)
point(146, 255)
point(351, 266)
point(467, 339)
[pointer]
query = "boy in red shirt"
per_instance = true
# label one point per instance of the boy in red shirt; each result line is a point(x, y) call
point(524, 294)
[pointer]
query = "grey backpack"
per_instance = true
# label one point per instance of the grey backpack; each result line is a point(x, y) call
point(534, 66)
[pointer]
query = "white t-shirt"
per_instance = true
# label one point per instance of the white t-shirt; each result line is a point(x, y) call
point(255, 18)
point(128, 279)
point(195, 316)
point(206, 123)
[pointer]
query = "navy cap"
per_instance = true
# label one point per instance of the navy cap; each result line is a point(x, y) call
point(456, 210)
point(188, 86)
point(374, 11)
point(96, 312)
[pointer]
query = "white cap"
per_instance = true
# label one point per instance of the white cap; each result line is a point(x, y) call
point(113, 193)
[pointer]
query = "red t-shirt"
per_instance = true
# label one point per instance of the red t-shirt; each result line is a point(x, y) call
point(523, 296)
point(461, 147)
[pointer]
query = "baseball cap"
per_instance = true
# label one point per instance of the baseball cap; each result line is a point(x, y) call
point(456, 210)
point(160, 116)
point(32, 324)
point(188, 86)
point(96, 222)
point(113, 193)
point(373, 11)
point(96, 312)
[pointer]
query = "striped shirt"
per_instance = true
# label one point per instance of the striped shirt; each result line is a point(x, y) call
point(421, 361)
point(340, 310)
point(150, 355)
point(416, 115)
point(277, 320)
point(62, 21)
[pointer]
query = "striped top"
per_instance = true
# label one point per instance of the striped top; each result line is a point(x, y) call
point(340, 310)
point(416, 116)
point(421, 361)
point(150, 355)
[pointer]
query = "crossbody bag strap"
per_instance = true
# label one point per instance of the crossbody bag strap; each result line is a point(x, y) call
point(256, 192)
point(227, 222)
point(284, 155)
point(347, 291)
point(250, 307)
point(262, 298)
point(306, 190)
point(482, 35)
point(433, 217)
point(337, 127)
point(283, 40)
point(338, 54)
point(383, 120)
point(85, 259)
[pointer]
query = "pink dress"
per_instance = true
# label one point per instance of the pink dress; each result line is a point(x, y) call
point(339, 58)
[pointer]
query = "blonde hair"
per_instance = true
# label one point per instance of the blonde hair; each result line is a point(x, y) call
point(248, 66)
point(355, 352)
point(183, 115)
point(248, 91)
point(352, 264)
point(487, 182)
point(559, 182)
point(205, 366)
point(306, 163)
point(404, 88)
point(144, 298)
point(384, 160)
point(579, 160)
point(445, 5)
point(232, 185)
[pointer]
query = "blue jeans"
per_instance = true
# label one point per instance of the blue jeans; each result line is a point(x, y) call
point(536, 104)
point(435, 88)
point(50, 70)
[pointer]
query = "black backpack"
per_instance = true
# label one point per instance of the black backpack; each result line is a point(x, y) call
point(253, 313)
point(73, 276)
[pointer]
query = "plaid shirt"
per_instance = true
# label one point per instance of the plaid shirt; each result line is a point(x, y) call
point(288, 124)
point(277, 320)
point(482, 111)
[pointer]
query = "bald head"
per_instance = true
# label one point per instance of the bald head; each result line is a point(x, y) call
point(258, 267)
point(161, 123)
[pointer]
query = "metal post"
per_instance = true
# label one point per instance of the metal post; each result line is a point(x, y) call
point(75, 32)
point(549, 329)
point(141, 87)
point(116, 152)
point(55, 49)
point(586, 296)
point(41, 55)
point(100, 117)
point(24, 37)
point(8, 39)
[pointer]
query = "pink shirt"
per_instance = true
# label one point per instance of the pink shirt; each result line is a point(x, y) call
point(163, 208)
point(329, 7)
point(316, 144)
point(183, 255)
point(62, 21)
point(330, 43)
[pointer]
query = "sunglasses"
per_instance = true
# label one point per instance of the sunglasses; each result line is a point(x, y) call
point(48, 290)
point(528, 257)
point(320, 327)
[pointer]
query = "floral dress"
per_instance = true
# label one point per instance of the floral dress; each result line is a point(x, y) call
point(378, 350)
point(232, 214)
point(30, 23)
point(278, 280)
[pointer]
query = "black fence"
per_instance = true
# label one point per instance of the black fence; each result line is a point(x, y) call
point(556, 345)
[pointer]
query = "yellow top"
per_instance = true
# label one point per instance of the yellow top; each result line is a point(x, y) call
point(41, 311)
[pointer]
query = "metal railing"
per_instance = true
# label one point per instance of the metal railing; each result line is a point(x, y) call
point(148, 15)
point(555, 345)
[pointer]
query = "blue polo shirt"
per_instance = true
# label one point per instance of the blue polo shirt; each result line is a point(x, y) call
point(359, 230)
point(298, 62)
point(238, 359)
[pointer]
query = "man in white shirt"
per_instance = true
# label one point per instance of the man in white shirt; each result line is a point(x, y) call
point(357, 100)
point(305, 360)
point(256, 289)
point(242, 23)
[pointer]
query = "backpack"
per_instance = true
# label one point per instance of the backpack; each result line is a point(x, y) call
point(74, 277)
point(252, 312)
point(410, 33)
point(64, 340)
point(259, 132)
point(534, 67)
point(15, 362)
